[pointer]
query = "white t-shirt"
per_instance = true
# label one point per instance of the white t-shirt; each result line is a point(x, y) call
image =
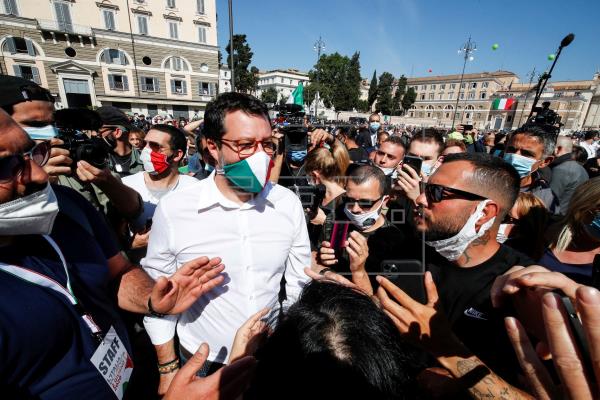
point(152, 197)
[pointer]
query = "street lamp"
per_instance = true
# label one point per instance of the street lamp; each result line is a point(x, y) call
point(318, 47)
point(231, 46)
point(467, 50)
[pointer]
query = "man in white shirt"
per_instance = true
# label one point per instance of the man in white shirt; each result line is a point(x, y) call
point(258, 229)
point(165, 147)
point(590, 143)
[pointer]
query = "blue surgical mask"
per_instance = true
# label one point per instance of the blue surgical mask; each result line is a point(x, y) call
point(521, 163)
point(297, 155)
point(374, 127)
point(426, 169)
point(41, 133)
point(209, 168)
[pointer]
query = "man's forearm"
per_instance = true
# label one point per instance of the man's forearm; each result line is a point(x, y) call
point(479, 380)
point(124, 199)
point(134, 290)
point(166, 352)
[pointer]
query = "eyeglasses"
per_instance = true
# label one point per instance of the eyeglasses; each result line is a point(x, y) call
point(436, 193)
point(12, 166)
point(246, 148)
point(364, 204)
point(510, 220)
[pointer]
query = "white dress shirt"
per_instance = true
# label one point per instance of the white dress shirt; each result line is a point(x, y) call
point(259, 242)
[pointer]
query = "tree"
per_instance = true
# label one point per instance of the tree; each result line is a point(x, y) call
point(339, 81)
point(384, 93)
point(400, 91)
point(245, 81)
point(409, 99)
point(373, 90)
point(269, 95)
point(362, 106)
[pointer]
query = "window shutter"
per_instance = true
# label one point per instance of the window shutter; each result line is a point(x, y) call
point(10, 45)
point(122, 58)
point(172, 85)
point(183, 87)
point(105, 56)
point(30, 48)
point(155, 82)
point(17, 69)
point(142, 84)
point(125, 82)
point(213, 89)
point(111, 82)
point(200, 5)
point(36, 75)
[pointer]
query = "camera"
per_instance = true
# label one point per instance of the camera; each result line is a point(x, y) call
point(71, 124)
point(545, 118)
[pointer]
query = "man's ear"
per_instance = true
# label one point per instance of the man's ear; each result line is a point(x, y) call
point(491, 210)
point(178, 156)
point(213, 150)
point(546, 161)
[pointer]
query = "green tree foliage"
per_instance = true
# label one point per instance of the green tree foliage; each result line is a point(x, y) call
point(362, 106)
point(400, 91)
point(373, 90)
point(384, 93)
point(245, 80)
point(409, 99)
point(339, 81)
point(269, 95)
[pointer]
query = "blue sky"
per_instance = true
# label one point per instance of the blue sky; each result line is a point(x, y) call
point(412, 36)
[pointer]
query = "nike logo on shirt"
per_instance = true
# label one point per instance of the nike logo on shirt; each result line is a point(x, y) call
point(473, 313)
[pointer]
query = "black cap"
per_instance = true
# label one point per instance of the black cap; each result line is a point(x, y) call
point(16, 90)
point(113, 116)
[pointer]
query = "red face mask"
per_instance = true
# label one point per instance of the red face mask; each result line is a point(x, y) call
point(154, 162)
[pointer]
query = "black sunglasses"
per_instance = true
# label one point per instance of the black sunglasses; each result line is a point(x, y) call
point(12, 166)
point(362, 203)
point(436, 193)
point(510, 220)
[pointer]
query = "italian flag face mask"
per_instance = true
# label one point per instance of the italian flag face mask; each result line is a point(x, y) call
point(250, 174)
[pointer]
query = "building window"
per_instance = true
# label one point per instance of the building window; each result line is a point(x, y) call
point(440, 96)
point(450, 95)
point(471, 95)
point(443, 86)
point(207, 88)
point(109, 19)
point(509, 118)
point(176, 64)
point(178, 86)
point(485, 85)
point(114, 56)
point(17, 45)
point(27, 72)
point(200, 6)
point(173, 30)
point(431, 96)
point(118, 82)
point(453, 86)
point(142, 24)
point(202, 34)
point(432, 87)
point(483, 95)
point(462, 96)
point(10, 7)
point(423, 87)
point(423, 96)
point(474, 85)
point(463, 85)
point(149, 84)
point(63, 16)
point(170, 3)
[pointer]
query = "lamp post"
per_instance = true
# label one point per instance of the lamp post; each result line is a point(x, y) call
point(318, 47)
point(231, 46)
point(467, 50)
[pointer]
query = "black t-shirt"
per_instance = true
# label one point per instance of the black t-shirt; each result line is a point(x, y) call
point(465, 299)
point(45, 347)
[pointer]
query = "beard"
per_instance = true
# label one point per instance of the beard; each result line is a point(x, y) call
point(444, 228)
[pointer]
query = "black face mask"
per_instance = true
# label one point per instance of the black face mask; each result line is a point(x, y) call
point(110, 142)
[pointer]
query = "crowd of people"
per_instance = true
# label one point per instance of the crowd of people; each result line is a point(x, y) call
point(232, 255)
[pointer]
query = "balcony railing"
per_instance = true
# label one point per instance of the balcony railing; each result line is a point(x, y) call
point(64, 27)
point(149, 88)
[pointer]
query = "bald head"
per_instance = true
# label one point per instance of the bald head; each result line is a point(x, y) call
point(564, 145)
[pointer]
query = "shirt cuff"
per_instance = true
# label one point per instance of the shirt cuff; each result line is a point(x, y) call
point(160, 330)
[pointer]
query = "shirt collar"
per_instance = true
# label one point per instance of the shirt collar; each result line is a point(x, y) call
point(211, 196)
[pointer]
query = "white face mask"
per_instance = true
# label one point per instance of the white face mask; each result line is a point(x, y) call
point(452, 248)
point(501, 235)
point(29, 215)
point(365, 220)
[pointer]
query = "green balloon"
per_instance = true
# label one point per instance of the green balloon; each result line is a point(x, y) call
point(551, 57)
point(495, 46)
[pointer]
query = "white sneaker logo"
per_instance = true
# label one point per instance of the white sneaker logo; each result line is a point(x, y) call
point(473, 313)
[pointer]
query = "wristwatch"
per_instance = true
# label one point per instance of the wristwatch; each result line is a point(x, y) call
point(151, 310)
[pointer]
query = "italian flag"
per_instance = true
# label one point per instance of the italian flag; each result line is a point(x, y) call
point(503, 104)
point(297, 96)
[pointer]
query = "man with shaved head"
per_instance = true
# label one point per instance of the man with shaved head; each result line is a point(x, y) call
point(458, 213)
point(567, 174)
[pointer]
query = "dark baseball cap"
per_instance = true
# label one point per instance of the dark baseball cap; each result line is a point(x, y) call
point(16, 90)
point(113, 116)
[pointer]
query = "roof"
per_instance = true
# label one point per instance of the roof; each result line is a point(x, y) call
point(558, 85)
point(455, 77)
point(285, 71)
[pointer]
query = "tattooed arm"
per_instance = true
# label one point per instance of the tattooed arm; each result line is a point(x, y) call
point(479, 380)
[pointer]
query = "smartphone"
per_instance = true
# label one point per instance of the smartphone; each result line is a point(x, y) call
point(467, 127)
point(414, 162)
point(408, 275)
point(339, 235)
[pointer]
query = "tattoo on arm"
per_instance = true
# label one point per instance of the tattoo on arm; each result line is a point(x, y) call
point(482, 383)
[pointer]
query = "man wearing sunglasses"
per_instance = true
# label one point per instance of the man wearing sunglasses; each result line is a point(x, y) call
point(458, 214)
point(257, 227)
point(57, 264)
